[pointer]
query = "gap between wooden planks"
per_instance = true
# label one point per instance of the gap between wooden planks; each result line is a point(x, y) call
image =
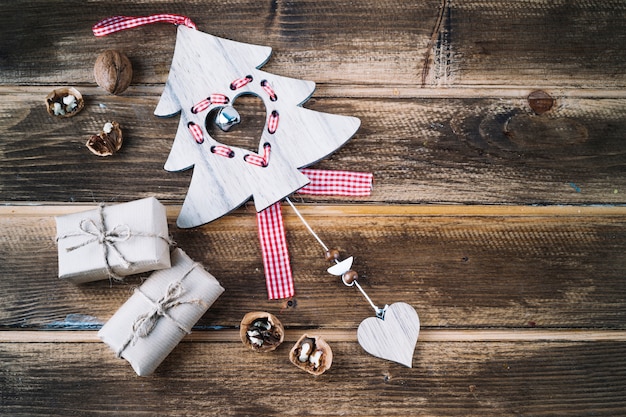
point(326, 90)
point(44, 209)
point(340, 335)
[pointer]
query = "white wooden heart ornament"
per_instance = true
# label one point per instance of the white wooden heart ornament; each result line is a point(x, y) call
point(394, 337)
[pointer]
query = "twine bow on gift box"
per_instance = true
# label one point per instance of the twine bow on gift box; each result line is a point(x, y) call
point(146, 322)
point(97, 232)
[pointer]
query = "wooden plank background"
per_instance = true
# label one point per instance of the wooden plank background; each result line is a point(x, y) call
point(503, 228)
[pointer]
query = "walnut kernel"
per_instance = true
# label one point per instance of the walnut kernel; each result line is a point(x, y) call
point(108, 141)
point(312, 354)
point(261, 331)
point(64, 102)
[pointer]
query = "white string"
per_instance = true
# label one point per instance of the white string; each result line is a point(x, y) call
point(379, 311)
point(306, 224)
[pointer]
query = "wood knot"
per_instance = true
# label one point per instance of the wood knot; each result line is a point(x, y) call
point(540, 101)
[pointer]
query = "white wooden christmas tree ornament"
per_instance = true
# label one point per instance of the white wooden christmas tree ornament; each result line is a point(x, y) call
point(208, 73)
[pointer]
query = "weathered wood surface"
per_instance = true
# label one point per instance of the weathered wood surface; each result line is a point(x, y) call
point(432, 150)
point(580, 44)
point(221, 378)
point(503, 228)
point(549, 268)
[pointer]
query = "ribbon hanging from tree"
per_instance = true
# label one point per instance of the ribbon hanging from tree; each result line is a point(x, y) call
point(278, 275)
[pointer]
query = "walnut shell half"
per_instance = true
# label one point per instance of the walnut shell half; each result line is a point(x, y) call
point(108, 141)
point(312, 354)
point(64, 102)
point(261, 331)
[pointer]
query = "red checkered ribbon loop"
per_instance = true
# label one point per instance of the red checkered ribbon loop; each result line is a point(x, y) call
point(269, 90)
point(278, 276)
point(196, 132)
point(258, 160)
point(206, 103)
point(118, 23)
point(240, 82)
point(222, 150)
point(339, 183)
point(272, 122)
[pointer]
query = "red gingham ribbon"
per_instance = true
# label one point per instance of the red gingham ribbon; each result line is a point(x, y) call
point(278, 278)
point(344, 183)
point(240, 82)
point(201, 106)
point(219, 99)
point(265, 85)
point(196, 132)
point(206, 103)
point(278, 274)
point(118, 23)
point(272, 122)
point(222, 150)
point(258, 160)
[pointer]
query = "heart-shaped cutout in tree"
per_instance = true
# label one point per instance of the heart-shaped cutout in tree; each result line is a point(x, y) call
point(238, 124)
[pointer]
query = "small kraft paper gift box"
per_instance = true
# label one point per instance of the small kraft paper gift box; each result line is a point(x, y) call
point(160, 313)
point(113, 241)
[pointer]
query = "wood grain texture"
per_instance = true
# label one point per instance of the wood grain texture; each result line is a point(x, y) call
point(456, 270)
point(503, 228)
point(470, 379)
point(476, 151)
point(432, 43)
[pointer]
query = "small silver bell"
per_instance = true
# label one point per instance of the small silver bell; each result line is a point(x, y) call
point(226, 118)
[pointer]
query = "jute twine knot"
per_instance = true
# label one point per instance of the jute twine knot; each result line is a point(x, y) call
point(146, 322)
point(107, 239)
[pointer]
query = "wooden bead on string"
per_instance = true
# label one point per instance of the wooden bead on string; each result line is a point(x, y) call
point(332, 254)
point(349, 277)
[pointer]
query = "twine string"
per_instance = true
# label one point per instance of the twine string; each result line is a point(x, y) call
point(107, 239)
point(146, 322)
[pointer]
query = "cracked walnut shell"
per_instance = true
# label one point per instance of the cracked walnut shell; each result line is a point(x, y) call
point(108, 141)
point(261, 331)
point(64, 102)
point(312, 354)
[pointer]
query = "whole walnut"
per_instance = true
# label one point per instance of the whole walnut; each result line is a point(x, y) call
point(113, 71)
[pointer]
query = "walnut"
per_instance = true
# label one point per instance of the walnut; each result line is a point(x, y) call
point(261, 331)
point(108, 141)
point(312, 354)
point(113, 71)
point(64, 102)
